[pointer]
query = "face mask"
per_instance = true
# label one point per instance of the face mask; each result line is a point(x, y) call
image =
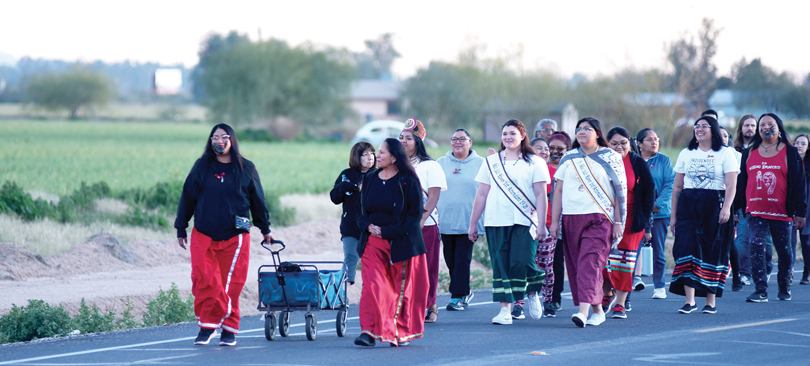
point(769, 132)
point(219, 149)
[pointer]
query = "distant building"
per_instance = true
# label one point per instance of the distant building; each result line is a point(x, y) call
point(377, 99)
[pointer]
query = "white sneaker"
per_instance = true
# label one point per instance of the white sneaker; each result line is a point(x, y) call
point(504, 317)
point(660, 293)
point(595, 319)
point(534, 306)
point(578, 319)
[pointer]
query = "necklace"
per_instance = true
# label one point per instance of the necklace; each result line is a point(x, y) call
point(766, 148)
point(520, 156)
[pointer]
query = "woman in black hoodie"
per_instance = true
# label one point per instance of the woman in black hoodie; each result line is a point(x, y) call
point(346, 191)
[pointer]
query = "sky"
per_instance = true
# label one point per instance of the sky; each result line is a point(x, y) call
point(568, 37)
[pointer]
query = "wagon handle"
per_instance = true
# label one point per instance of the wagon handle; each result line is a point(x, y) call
point(272, 242)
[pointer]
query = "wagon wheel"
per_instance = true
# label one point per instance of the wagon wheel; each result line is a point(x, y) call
point(270, 326)
point(284, 323)
point(312, 327)
point(340, 322)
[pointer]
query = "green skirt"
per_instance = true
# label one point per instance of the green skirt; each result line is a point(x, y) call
point(514, 272)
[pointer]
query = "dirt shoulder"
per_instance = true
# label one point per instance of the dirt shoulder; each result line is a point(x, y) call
point(108, 273)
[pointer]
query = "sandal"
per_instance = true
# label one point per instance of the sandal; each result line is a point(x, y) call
point(431, 316)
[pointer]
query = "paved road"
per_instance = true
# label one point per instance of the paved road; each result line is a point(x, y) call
point(777, 332)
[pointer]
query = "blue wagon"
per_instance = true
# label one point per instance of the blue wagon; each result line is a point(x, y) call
point(285, 287)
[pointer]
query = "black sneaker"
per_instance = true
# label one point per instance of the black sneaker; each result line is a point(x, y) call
point(548, 310)
point(627, 306)
point(204, 336)
point(456, 304)
point(783, 295)
point(556, 306)
point(517, 312)
point(686, 309)
point(757, 297)
point(364, 340)
point(709, 309)
point(736, 284)
point(227, 338)
point(638, 284)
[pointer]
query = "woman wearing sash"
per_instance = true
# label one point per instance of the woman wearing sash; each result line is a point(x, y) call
point(513, 190)
point(640, 197)
point(590, 194)
point(431, 176)
point(702, 196)
point(392, 253)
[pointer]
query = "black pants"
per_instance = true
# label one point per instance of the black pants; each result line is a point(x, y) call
point(457, 251)
point(559, 272)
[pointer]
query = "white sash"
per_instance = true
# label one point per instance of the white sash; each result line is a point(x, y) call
point(512, 192)
point(598, 193)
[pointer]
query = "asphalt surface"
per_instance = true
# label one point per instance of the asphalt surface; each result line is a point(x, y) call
point(777, 332)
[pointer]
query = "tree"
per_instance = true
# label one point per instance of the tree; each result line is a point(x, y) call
point(72, 90)
point(694, 73)
point(378, 57)
point(246, 81)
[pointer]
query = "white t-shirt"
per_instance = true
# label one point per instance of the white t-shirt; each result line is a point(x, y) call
point(706, 169)
point(499, 209)
point(575, 197)
point(430, 175)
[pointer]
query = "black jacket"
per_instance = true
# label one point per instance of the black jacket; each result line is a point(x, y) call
point(406, 235)
point(643, 195)
point(347, 193)
point(215, 199)
point(795, 202)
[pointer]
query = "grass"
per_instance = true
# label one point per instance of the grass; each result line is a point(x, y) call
point(116, 111)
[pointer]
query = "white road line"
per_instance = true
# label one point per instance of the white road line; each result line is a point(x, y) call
point(744, 325)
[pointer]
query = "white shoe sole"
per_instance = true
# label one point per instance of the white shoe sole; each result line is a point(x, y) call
point(202, 343)
point(593, 321)
point(577, 319)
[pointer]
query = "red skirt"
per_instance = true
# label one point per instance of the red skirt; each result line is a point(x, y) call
point(394, 296)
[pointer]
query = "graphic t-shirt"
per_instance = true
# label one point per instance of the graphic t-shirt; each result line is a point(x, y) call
point(766, 189)
point(706, 169)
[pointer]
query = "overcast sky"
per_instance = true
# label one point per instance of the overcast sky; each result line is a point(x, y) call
point(589, 37)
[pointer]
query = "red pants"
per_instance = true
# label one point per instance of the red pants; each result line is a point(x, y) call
point(433, 246)
point(394, 296)
point(218, 273)
point(587, 245)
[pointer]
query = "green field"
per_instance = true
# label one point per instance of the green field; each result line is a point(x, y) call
point(55, 157)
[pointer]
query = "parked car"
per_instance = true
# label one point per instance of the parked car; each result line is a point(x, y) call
point(375, 132)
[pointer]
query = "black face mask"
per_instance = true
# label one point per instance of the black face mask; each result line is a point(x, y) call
point(219, 149)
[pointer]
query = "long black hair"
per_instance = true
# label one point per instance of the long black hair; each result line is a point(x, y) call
point(621, 131)
point(806, 155)
point(597, 127)
point(717, 140)
point(783, 135)
point(396, 150)
point(526, 149)
point(209, 155)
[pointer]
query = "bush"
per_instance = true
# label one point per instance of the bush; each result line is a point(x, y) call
point(163, 196)
point(127, 320)
point(90, 320)
point(34, 321)
point(250, 134)
point(279, 216)
point(169, 308)
point(13, 199)
point(481, 253)
point(138, 217)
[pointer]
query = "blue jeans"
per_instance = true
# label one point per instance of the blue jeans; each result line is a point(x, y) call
point(744, 250)
point(658, 243)
point(350, 256)
point(780, 232)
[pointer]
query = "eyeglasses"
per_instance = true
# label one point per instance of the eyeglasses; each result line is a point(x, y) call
point(702, 127)
point(617, 144)
point(220, 138)
point(547, 130)
point(651, 139)
point(583, 129)
point(458, 139)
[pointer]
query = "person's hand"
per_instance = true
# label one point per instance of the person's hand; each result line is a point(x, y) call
point(542, 233)
point(268, 238)
point(182, 242)
point(472, 233)
point(618, 230)
point(725, 214)
point(554, 230)
point(672, 226)
point(800, 222)
point(656, 209)
point(375, 231)
point(422, 222)
point(647, 236)
point(491, 151)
